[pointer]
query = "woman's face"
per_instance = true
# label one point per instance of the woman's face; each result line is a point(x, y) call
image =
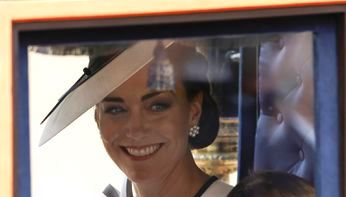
point(146, 132)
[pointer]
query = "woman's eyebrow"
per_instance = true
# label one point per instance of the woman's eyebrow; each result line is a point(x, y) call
point(113, 99)
point(145, 97)
point(150, 95)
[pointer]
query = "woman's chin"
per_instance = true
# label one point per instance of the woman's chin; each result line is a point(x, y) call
point(140, 177)
point(142, 170)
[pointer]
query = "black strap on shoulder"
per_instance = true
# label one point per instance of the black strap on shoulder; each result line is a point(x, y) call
point(205, 186)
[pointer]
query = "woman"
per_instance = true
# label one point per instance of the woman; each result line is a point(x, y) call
point(152, 120)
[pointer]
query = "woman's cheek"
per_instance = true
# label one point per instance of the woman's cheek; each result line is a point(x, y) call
point(109, 132)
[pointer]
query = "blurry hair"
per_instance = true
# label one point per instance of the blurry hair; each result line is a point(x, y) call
point(270, 184)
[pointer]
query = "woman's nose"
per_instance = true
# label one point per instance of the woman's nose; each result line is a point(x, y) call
point(135, 126)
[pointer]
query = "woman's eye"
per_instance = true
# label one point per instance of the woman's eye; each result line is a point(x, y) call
point(158, 107)
point(114, 110)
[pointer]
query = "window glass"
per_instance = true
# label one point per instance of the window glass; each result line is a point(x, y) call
point(276, 86)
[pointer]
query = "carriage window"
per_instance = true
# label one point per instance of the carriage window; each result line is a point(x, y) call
point(257, 94)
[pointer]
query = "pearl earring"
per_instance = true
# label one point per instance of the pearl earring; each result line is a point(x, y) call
point(194, 131)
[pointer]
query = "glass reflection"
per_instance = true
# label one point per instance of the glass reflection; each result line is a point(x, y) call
point(223, 55)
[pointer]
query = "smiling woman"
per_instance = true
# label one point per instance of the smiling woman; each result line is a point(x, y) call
point(148, 129)
point(150, 116)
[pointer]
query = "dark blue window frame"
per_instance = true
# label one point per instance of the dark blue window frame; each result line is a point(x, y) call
point(328, 112)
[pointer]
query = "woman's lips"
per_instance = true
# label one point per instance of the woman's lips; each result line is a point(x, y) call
point(142, 151)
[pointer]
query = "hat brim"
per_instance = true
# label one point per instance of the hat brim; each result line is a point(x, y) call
point(98, 86)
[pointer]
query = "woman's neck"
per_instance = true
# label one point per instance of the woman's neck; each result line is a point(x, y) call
point(184, 180)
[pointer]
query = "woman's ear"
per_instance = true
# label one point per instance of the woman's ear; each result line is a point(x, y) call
point(196, 109)
point(97, 116)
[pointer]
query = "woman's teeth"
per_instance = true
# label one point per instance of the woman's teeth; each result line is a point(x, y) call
point(143, 151)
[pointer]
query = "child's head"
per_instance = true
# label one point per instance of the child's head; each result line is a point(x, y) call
point(270, 184)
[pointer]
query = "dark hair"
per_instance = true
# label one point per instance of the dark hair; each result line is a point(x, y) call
point(193, 67)
point(272, 183)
